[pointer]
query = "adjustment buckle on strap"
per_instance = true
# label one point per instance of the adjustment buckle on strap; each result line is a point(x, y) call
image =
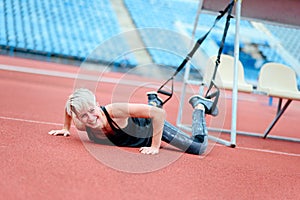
point(214, 96)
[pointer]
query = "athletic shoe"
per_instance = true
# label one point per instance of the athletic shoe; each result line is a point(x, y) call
point(154, 100)
point(207, 103)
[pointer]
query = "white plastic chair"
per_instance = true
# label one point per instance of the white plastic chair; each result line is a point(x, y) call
point(224, 78)
point(278, 80)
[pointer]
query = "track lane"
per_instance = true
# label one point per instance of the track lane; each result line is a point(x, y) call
point(39, 166)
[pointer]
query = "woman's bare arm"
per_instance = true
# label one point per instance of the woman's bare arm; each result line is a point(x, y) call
point(65, 131)
point(124, 110)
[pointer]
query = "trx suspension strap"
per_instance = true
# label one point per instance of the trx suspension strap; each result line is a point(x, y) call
point(209, 94)
point(161, 90)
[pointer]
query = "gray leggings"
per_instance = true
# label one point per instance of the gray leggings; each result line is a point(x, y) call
point(141, 132)
point(195, 144)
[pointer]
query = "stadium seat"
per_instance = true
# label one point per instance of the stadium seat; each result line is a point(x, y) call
point(279, 81)
point(53, 27)
point(224, 78)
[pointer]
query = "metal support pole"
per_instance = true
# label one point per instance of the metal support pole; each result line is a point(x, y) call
point(235, 81)
point(280, 111)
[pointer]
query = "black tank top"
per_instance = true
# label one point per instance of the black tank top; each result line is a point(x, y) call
point(137, 133)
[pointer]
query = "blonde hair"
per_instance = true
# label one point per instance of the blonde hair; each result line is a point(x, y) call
point(81, 98)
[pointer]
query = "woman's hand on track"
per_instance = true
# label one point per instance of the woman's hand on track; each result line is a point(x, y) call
point(63, 132)
point(149, 150)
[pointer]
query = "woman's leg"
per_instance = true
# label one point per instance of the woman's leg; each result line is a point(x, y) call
point(183, 141)
point(196, 144)
point(199, 130)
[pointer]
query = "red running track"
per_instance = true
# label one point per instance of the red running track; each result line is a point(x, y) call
point(36, 165)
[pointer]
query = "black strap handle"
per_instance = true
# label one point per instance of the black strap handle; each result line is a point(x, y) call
point(218, 59)
point(216, 94)
point(167, 93)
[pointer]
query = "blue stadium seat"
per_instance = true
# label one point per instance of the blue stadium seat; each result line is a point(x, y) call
point(165, 14)
point(53, 27)
point(74, 28)
point(289, 38)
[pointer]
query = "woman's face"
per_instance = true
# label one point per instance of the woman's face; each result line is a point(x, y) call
point(92, 117)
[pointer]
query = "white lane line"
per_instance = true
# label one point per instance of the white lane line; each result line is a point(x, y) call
point(30, 121)
point(78, 76)
point(238, 147)
point(262, 150)
point(269, 151)
point(99, 78)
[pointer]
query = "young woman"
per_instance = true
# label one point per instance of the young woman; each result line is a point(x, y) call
point(134, 125)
